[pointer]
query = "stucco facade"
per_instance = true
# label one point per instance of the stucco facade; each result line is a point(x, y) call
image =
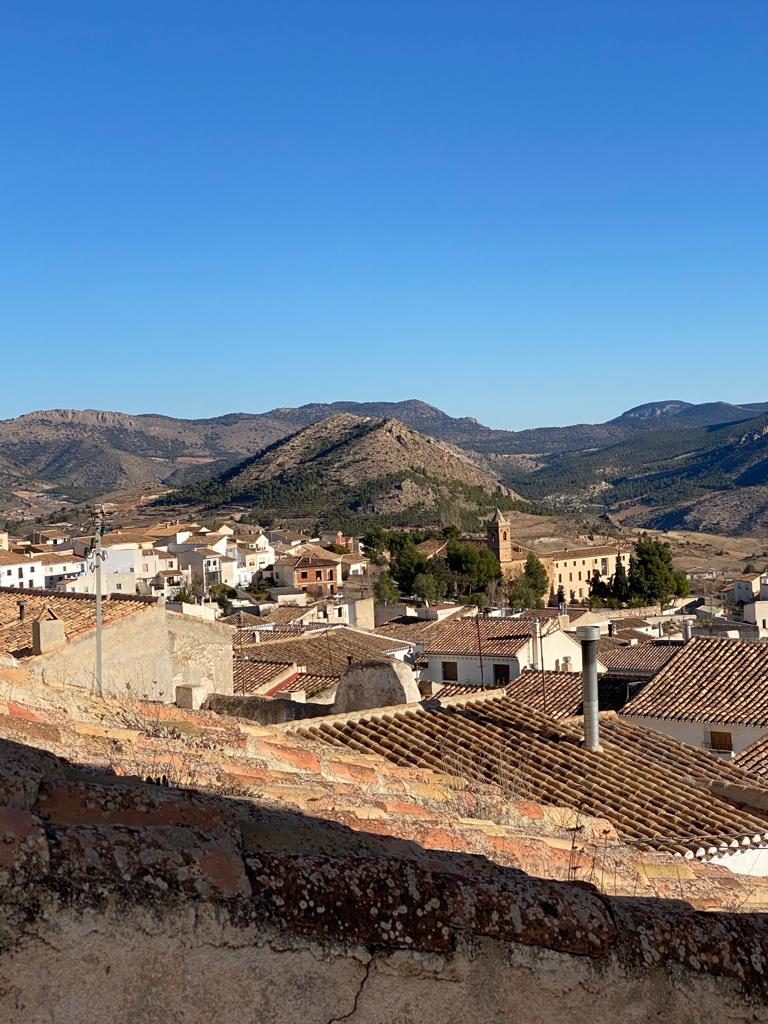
point(144, 655)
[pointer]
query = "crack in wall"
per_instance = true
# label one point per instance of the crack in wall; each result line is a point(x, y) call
point(361, 986)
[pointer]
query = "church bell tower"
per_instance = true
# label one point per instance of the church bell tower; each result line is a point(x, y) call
point(500, 537)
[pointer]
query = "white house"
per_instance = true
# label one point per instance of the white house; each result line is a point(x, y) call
point(59, 569)
point(492, 651)
point(21, 571)
point(713, 693)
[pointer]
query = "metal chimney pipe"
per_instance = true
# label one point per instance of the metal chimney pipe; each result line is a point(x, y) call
point(588, 636)
point(687, 630)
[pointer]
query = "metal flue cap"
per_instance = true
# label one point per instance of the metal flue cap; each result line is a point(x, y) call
point(588, 632)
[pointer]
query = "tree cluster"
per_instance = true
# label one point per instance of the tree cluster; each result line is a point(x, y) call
point(527, 591)
point(465, 571)
point(652, 578)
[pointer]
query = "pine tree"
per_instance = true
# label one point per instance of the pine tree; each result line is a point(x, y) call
point(620, 584)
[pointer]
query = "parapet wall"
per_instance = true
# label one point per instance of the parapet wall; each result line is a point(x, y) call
point(136, 904)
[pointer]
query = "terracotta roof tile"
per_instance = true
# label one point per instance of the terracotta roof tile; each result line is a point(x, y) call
point(558, 694)
point(642, 660)
point(754, 758)
point(324, 651)
point(77, 612)
point(249, 676)
point(654, 789)
point(502, 637)
point(709, 679)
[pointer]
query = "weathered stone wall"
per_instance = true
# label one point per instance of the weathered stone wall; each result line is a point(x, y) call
point(265, 710)
point(144, 655)
point(139, 904)
point(207, 645)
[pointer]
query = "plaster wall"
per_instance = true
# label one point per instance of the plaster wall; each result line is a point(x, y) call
point(144, 655)
point(196, 964)
point(697, 734)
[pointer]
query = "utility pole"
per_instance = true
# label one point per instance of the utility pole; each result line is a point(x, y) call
point(96, 557)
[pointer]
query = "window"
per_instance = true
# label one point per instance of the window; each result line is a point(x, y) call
point(500, 674)
point(303, 575)
point(318, 574)
point(560, 578)
point(720, 741)
point(339, 612)
point(504, 535)
point(21, 571)
point(604, 566)
point(450, 671)
point(330, 574)
point(570, 577)
point(118, 586)
point(579, 576)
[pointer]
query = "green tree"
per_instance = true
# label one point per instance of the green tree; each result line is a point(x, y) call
point(407, 563)
point(536, 575)
point(385, 590)
point(521, 595)
point(620, 584)
point(652, 575)
point(428, 587)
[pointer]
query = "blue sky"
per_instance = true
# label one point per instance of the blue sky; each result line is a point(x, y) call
point(531, 213)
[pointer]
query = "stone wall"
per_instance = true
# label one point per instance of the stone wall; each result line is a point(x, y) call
point(265, 710)
point(198, 917)
point(144, 656)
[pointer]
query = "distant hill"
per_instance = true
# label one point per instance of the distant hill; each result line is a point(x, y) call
point(711, 477)
point(347, 467)
point(655, 463)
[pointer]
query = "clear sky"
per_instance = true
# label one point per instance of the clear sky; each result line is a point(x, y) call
point(530, 212)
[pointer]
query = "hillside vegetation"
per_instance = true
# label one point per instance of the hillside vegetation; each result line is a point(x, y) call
point(350, 467)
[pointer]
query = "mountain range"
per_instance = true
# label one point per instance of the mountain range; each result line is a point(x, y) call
point(667, 463)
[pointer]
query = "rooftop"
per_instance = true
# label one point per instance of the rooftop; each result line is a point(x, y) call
point(558, 694)
point(76, 611)
point(652, 788)
point(500, 637)
point(712, 680)
point(325, 651)
point(641, 660)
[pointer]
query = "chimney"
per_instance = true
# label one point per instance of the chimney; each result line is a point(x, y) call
point(349, 659)
point(661, 629)
point(588, 636)
point(22, 610)
point(687, 630)
point(611, 629)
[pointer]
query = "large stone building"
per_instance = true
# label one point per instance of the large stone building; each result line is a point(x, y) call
point(570, 568)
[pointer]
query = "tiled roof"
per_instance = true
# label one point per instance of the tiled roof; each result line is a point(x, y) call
point(654, 789)
point(460, 690)
point(325, 651)
point(433, 547)
point(413, 629)
point(640, 659)
point(712, 680)
point(500, 637)
point(754, 758)
point(12, 558)
point(575, 553)
point(77, 612)
point(53, 559)
point(558, 694)
point(249, 676)
point(311, 683)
